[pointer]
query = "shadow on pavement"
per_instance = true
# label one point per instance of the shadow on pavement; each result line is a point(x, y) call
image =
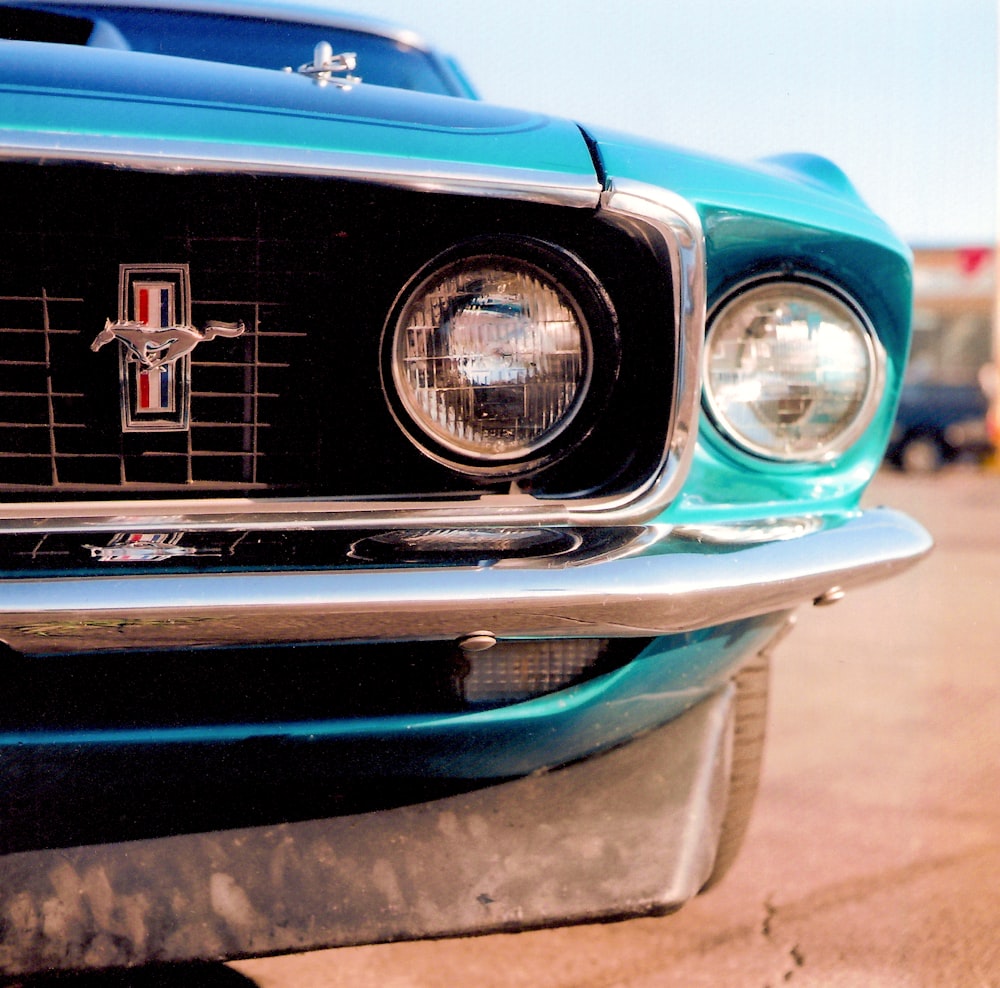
point(163, 976)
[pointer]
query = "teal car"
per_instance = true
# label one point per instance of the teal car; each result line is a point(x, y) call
point(401, 496)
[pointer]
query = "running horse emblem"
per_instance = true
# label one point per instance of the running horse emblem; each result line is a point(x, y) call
point(159, 346)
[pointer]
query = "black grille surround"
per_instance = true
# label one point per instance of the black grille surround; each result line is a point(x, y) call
point(293, 407)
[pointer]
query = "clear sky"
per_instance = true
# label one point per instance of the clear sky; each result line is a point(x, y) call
point(902, 94)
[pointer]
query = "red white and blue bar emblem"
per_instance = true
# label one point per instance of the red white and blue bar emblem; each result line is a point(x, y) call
point(156, 389)
point(154, 303)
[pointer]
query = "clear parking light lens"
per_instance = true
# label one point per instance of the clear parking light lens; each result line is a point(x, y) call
point(514, 671)
point(491, 358)
point(792, 371)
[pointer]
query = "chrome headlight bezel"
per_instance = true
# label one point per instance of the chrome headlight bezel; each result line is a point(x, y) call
point(838, 323)
point(568, 284)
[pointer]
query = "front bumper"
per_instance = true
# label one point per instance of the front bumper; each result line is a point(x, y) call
point(640, 582)
point(629, 831)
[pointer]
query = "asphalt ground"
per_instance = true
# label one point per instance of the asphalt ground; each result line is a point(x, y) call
point(873, 858)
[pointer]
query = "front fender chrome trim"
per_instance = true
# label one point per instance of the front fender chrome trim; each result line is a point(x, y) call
point(671, 228)
point(662, 584)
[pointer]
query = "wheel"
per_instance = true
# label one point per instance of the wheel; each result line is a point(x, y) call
point(921, 454)
point(752, 684)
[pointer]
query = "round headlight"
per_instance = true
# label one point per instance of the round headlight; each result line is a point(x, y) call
point(793, 371)
point(491, 358)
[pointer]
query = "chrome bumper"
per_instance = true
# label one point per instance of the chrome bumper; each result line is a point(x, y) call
point(659, 581)
point(628, 833)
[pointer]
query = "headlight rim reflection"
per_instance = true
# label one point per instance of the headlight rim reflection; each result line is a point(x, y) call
point(796, 288)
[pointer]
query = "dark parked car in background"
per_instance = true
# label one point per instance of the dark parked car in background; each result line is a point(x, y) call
point(401, 496)
point(937, 424)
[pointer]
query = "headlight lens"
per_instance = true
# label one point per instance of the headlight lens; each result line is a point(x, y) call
point(491, 357)
point(793, 371)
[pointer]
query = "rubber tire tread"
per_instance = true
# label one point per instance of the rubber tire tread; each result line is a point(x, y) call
point(752, 684)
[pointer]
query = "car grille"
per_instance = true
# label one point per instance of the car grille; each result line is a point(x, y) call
point(53, 404)
point(294, 405)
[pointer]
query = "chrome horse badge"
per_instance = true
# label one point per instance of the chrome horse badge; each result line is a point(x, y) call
point(155, 348)
point(156, 340)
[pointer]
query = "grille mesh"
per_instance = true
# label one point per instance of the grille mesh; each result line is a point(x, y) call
point(54, 394)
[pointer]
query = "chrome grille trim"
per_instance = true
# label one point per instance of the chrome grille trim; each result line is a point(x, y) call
point(557, 189)
point(668, 225)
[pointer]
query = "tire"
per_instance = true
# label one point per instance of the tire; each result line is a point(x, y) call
point(921, 455)
point(752, 684)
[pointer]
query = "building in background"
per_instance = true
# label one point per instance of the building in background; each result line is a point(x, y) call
point(945, 412)
point(954, 301)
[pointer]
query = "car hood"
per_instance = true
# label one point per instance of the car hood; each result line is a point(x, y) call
point(75, 92)
point(118, 106)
